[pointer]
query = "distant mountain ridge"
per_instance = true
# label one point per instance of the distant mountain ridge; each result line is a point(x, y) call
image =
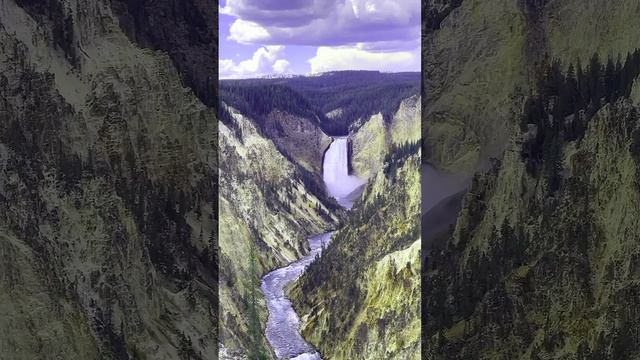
point(358, 94)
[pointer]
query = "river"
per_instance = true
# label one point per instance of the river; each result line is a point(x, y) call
point(283, 324)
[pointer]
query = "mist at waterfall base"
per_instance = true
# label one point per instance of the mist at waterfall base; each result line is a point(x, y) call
point(442, 195)
point(342, 186)
point(438, 185)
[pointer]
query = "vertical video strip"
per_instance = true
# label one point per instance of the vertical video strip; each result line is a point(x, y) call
point(320, 197)
point(530, 186)
point(108, 127)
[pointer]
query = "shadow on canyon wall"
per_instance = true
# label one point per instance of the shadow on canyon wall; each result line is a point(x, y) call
point(442, 196)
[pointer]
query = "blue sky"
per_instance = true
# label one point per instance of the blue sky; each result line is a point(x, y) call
point(271, 37)
point(229, 49)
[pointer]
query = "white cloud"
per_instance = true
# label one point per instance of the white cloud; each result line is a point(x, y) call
point(358, 57)
point(281, 66)
point(350, 34)
point(323, 22)
point(247, 32)
point(265, 60)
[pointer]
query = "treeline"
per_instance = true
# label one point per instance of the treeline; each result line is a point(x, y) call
point(336, 81)
point(359, 94)
point(363, 103)
point(565, 103)
point(257, 101)
point(433, 15)
point(397, 155)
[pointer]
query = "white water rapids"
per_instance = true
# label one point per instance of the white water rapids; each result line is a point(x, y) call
point(283, 324)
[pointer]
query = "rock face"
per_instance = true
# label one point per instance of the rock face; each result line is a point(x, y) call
point(185, 29)
point(555, 273)
point(473, 72)
point(266, 205)
point(360, 299)
point(373, 138)
point(534, 268)
point(298, 138)
point(107, 189)
point(479, 64)
point(368, 146)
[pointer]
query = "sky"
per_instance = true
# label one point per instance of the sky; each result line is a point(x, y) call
point(276, 37)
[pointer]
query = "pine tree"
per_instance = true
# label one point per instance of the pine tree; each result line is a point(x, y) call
point(256, 351)
point(609, 81)
point(583, 86)
point(570, 92)
point(552, 166)
point(617, 79)
point(595, 82)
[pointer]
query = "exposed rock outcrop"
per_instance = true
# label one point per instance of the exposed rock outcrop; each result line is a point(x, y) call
point(361, 298)
point(298, 138)
point(372, 139)
point(538, 266)
point(107, 191)
point(264, 204)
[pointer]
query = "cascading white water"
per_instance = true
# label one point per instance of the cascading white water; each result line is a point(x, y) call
point(335, 173)
point(336, 160)
point(283, 324)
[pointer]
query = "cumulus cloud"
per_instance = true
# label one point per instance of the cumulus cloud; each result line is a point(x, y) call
point(290, 13)
point(360, 58)
point(265, 60)
point(323, 22)
point(281, 66)
point(247, 32)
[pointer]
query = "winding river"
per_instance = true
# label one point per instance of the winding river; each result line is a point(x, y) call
point(283, 324)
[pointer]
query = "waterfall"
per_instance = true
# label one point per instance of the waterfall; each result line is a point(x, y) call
point(283, 324)
point(335, 173)
point(336, 161)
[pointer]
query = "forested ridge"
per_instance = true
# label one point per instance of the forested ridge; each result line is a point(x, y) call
point(361, 271)
point(565, 103)
point(355, 94)
point(108, 146)
point(535, 282)
point(257, 101)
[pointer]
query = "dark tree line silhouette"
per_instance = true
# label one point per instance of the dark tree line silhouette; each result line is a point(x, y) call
point(358, 94)
point(397, 155)
point(565, 103)
point(433, 17)
point(257, 101)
